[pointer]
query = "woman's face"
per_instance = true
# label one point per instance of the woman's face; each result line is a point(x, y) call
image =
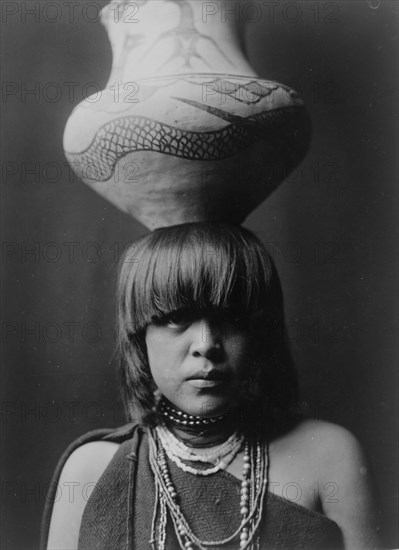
point(198, 360)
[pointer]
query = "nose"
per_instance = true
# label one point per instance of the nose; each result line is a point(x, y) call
point(207, 340)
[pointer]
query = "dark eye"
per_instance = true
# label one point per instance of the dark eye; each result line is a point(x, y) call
point(179, 318)
point(236, 317)
point(176, 319)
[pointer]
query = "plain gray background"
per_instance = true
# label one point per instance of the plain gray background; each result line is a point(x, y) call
point(331, 228)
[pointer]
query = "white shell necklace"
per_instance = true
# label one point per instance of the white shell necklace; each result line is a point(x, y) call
point(220, 456)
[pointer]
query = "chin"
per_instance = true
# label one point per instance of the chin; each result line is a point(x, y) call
point(208, 407)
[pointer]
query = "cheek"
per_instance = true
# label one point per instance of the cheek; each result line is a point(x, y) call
point(239, 343)
point(159, 371)
point(154, 346)
point(163, 357)
point(156, 355)
point(242, 351)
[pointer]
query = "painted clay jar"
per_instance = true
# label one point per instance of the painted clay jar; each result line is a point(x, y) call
point(184, 130)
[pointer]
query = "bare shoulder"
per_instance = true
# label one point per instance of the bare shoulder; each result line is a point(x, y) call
point(321, 443)
point(333, 451)
point(342, 472)
point(79, 475)
point(327, 441)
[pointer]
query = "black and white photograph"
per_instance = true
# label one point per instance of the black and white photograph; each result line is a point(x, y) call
point(199, 269)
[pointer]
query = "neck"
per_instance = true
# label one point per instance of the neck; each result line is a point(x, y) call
point(205, 438)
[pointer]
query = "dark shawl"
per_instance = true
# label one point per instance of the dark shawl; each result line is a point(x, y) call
point(119, 512)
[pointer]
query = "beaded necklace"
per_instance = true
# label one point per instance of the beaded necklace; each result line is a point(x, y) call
point(220, 456)
point(253, 489)
point(188, 420)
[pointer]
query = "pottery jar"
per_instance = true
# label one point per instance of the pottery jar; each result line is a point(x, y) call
point(184, 129)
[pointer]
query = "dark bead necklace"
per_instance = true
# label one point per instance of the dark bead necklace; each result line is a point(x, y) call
point(194, 430)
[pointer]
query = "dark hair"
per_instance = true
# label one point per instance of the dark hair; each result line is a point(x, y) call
point(204, 266)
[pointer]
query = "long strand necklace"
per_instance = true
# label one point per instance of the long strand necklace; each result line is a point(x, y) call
point(253, 489)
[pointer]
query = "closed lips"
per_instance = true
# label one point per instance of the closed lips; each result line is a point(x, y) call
point(213, 375)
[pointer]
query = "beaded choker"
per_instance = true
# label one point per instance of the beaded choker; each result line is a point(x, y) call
point(176, 416)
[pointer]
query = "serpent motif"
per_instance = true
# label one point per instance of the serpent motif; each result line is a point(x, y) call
point(125, 135)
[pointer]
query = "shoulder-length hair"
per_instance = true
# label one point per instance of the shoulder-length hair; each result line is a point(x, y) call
point(205, 266)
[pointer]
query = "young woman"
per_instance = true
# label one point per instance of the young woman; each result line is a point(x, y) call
point(216, 454)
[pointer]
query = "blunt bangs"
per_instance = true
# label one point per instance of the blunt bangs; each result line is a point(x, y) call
point(194, 266)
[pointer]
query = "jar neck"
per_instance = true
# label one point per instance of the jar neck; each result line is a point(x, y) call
point(163, 37)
